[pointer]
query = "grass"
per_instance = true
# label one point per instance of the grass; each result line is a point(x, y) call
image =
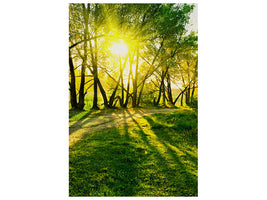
point(75, 115)
point(157, 156)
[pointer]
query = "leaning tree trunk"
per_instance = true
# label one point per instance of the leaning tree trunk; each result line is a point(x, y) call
point(73, 96)
point(112, 97)
point(103, 93)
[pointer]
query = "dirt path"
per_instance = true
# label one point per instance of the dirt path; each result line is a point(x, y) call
point(105, 121)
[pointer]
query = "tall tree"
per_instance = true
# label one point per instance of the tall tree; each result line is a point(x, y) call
point(73, 96)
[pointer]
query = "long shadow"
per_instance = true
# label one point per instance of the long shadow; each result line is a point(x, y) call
point(190, 139)
point(188, 178)
point(73, 113)
point(104, 164)
point(184, 146)
point(186, 185)
point(112, 163)
point(93, 117)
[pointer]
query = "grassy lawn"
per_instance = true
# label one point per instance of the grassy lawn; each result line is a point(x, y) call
point(157, 156)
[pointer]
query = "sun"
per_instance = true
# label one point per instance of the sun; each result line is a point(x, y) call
point(119, 48)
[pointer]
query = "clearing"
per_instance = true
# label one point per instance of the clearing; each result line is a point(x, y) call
point(133, 152)
point(90, 123)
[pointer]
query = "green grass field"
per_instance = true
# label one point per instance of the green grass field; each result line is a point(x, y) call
point(156, 156)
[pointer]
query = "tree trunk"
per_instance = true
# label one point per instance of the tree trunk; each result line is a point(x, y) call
point(103, 93)
point(169, 89)
point(192, 95)
point(112, 97)
point(188, 95)
point(134, 80)
point(182, 99)
point(81, 91)
point(122, 86)
point(163, 92)
point(95, 106)
point(182, 92)
point(73, 96)
point(160, 88)
point(128, 85)
point(148, 74)
point(140, 93)
point(189, 87)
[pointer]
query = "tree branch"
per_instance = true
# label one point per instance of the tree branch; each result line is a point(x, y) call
point(92, 38)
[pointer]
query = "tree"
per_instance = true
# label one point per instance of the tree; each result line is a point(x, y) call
point(158, 51)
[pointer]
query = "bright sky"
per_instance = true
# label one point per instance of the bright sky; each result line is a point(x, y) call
point(193, 20)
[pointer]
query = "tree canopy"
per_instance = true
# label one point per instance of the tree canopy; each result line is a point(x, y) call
point(131, 54)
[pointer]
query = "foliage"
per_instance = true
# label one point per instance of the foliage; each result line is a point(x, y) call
point(156, 38)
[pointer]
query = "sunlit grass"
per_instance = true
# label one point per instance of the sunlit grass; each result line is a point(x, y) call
point(157, 156)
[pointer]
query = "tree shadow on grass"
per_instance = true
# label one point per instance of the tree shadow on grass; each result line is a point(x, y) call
point(104, 164)
point(180, 181)
point(77, 125)
point(182, 128)
point(125, 162)
point(185, 137)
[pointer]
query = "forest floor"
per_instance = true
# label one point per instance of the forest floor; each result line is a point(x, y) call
point(133, 152)
point(99, 121)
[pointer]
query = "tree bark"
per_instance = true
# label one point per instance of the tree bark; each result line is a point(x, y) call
point(103, 93)
point(95, 106)
point(169, 89)
point(160, 88)
point(112, 97)
point(163, 92)
point(187, 95)
point(73, 95)
point(93, 53)
point(192, 95)
point(81, 91)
